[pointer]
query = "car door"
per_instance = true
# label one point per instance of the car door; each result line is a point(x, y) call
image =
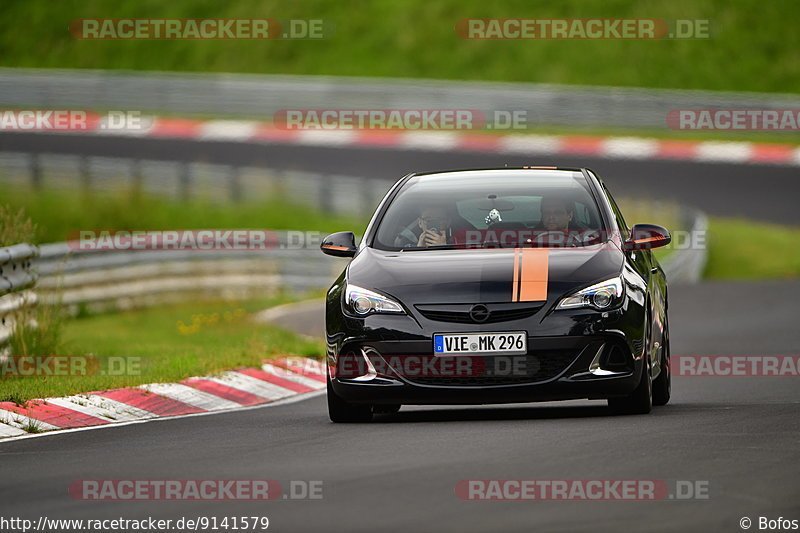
point(643, 262)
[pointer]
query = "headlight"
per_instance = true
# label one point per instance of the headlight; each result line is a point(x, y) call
point(601, 296)
point(362, 302)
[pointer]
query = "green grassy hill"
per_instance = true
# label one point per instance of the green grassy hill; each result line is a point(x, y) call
point(754, 46)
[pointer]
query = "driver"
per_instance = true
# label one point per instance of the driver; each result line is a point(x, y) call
point(557, 227)
point(557, 214)
point(434, 221)
point(435, 229)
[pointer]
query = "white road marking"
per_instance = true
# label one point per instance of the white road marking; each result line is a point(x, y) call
point(120, 411)
point(326, 137)
point(288, 374)
point(630, 148)
point(279, 403)
point(7, 430)
point(78, 404)
point(735, 152)
point(190, 396)
point(20, 421)
point(252, 385)
point(531, 144)
point(228, 130)
point(429, 140)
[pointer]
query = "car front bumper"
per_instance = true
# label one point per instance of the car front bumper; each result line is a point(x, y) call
point(557, 368)
point(571, 354)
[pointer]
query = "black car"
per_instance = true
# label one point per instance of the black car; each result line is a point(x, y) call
point(497, 286)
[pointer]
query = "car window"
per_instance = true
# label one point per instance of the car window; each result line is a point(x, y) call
point(465, 205)
point(526, 210)
point(623, 226)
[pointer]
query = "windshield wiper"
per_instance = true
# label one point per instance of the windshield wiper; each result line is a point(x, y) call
point(436, 247)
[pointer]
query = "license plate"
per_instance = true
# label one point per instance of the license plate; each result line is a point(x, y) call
point(512, 342)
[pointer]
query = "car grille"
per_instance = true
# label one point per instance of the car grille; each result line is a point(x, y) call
point(460, 314)
point(541, 367)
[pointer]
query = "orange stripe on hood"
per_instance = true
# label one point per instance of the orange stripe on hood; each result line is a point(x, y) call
point(533, 276)
point(515, 281)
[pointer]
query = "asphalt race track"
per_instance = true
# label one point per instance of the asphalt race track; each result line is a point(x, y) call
point(761, 192)
point(740, 435)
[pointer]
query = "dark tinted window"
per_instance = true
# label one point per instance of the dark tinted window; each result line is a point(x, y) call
point(623, 226)
point(489, 201)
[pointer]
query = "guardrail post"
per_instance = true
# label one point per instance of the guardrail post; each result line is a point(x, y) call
point(85, 171)
point(280, 184)
point(234, 184)
point(16, 278)
point(325, 193)
point(36, 171)
point(367, 200)
point(136, 175)
point(185, 180)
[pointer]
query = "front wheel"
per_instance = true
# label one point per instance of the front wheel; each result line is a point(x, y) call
point(342, 411)
point(662, 386)
point(640, 401)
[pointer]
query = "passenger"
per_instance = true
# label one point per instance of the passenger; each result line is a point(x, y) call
point(557, 226)
point(557, 214)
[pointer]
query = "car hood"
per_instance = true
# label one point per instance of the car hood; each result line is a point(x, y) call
point(483, 275)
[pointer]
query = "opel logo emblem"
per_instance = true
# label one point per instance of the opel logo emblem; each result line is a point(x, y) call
point(479, 313)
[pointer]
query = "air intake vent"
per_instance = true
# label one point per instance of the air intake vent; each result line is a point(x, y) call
point(540, 366)
point(487, 314)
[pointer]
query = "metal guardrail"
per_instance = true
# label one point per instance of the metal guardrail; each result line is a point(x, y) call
point(135, 278)
point(98, 280)
point(331, 193)
point(17, 275)
point(687, 265)
point(73, 276)
point(261, 96)
point(127, 279)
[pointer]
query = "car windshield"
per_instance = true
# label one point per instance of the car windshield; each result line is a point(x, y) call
point(489, 209)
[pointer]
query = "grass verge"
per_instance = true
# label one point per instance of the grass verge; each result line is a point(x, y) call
point(164, 344)
point(15, 226)
point(58, 212)
point(747, 250)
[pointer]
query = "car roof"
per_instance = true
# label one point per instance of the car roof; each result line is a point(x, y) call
point(498, 172)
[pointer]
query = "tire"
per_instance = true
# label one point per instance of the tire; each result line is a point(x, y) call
point(388, 409)
point(342, 411)
point(640, 401)
point(662, 386)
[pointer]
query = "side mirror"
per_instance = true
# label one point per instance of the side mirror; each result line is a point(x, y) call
point(341, 244)
point(647, 236)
